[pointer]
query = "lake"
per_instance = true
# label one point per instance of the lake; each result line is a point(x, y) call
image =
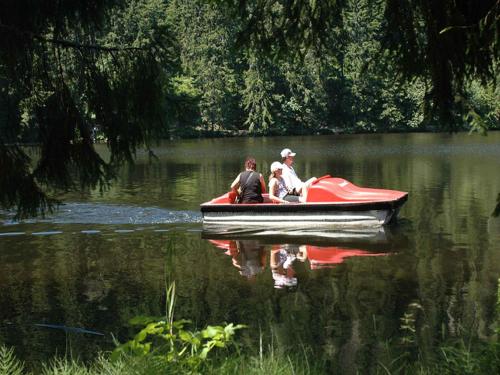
point(70, 282)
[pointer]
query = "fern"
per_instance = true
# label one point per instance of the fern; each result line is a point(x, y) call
point(9, 364)
point(64, 366)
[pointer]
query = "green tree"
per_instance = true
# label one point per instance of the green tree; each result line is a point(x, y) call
point(207, 35)
point(67, 68)
point(257, 98)
point(379, 102)
point(445, 42)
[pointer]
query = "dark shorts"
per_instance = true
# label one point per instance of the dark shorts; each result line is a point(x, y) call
point(291, 198)
point(255, 200)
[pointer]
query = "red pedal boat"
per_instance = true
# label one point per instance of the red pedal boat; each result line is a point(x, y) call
point(331, 201)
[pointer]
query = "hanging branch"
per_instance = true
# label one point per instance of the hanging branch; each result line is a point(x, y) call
point(71, 44)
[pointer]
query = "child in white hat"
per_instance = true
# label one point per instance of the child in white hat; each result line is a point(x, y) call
point(278, 192)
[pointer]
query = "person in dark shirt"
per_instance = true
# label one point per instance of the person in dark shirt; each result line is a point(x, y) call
point(249, 185)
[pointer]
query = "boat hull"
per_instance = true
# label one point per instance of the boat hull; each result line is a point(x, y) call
point(331, 202)
point(339, 215)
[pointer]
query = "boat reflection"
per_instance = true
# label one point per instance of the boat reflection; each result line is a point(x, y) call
point(301, 235)
point(250, 258)
point(321, 257)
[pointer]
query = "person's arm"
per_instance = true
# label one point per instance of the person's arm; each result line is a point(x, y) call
point(273, 184)
point(236, 183)
point(262, 184)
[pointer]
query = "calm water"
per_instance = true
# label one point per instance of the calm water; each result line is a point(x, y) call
point(103, 259)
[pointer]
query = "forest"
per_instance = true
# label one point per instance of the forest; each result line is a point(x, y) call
point(346, 83)
point(131, 72)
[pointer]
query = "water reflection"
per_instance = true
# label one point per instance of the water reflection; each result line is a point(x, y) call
point(249, 257)
point(494, 222)
point(326, 257)
point(282, 258)
point(496, 211)
point(304, 234)
point(494, 228)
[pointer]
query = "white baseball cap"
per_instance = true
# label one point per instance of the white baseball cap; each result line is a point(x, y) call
point(275, 166)
point(287, 152)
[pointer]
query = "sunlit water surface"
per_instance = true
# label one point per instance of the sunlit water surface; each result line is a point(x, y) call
point(69, 282)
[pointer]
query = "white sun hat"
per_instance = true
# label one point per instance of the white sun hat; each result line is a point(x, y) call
point(275, 166)
point(287, 152)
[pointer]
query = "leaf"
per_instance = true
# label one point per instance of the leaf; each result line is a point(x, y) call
point(220, 344)
point(179, 324)
point(230, 329)
point(141, 336)
point(144, 319)
point(211, 331)
point(446, 29)
point(185, 336)
point(204, 353)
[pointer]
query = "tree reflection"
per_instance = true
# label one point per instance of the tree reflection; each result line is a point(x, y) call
point(496, 211)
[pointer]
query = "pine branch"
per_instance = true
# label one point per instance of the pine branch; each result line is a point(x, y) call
point(72, 44)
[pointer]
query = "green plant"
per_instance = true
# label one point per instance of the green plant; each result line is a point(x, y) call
point(170, 340)
point(9, 364)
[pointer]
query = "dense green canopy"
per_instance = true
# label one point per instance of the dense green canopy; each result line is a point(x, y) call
point(132, 71)
point(445, 42)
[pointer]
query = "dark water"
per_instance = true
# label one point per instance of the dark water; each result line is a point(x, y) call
point(103, 259)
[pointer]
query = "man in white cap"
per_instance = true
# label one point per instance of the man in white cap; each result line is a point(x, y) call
point(293, 183)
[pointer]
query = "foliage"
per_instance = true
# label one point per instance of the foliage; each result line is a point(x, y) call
point(456, 359)
point(257, 99)
point(183, 107)
point(445, 42)
point(483, 105)
point(169, 340)
point(9, 364)
point(441, 42)
point(67, 68)
point(175, 344)
point(270, 363)
point(206, 34)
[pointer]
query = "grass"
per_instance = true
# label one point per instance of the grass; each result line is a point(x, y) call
point(278, 364)
point(456, 359)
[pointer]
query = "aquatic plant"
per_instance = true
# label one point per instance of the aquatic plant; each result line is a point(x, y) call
point(171, 341)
